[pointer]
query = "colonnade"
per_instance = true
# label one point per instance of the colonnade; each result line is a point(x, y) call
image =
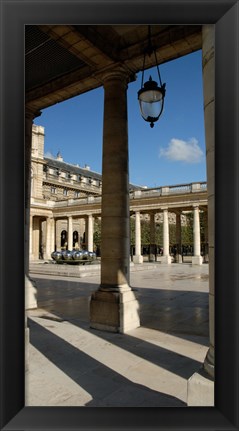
point(43, 247)
point(166, 257)
point(40, 247)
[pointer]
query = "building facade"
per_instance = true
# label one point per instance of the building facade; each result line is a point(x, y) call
point(66, 202)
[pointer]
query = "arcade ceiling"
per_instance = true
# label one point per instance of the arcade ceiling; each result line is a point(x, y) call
point(63, 61)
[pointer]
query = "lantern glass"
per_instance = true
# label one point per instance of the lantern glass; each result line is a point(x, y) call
point(150, 104)
point(151, 100)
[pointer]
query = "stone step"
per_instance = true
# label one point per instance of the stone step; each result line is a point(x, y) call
point(49, 268)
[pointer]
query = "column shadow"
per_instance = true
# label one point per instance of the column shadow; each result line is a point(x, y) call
point(106, 387)
point(180, 320)
point(184, 314)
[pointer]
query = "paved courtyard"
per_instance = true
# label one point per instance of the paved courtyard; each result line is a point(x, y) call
point(71, 364)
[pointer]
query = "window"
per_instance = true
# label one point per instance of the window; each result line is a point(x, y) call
point(77, 194)
point(53, 190)
point(65, 192)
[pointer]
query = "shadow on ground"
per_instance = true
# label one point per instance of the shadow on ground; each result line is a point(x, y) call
point(180, 312)
point(107, 387)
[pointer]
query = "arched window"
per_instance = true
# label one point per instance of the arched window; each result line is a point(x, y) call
point(63, 238)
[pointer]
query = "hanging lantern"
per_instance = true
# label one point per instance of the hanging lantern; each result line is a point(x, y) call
point(151, 95)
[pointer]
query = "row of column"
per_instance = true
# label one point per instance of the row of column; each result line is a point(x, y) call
point(137, 258)
point(166, 258)
point(50, 235)
point(90, 232)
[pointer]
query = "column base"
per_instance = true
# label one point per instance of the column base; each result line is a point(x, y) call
point(138, 259)
point(114, 311)
point(197, 260)
point(166, 259)
point(30, 294)
point(200, 390)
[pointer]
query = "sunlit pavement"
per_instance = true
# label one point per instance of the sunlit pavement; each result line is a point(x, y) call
point(71, 364)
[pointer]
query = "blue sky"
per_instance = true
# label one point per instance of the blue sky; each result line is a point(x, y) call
point(173, 152)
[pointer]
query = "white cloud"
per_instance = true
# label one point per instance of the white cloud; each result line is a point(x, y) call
point(183, 151)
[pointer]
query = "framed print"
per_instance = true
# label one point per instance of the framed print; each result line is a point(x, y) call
point(223, 15)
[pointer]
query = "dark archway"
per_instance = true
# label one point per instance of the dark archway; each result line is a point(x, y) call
point(75, 239)
point(64, 239)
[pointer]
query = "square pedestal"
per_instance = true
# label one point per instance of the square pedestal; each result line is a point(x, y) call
point(196, 260)
point(138, 259)
point(166, 259)
point(114, 311)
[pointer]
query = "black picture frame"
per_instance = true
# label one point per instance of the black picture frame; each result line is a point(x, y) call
point(225, 16)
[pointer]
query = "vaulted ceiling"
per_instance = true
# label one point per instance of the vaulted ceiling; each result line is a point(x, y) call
point(62, 61)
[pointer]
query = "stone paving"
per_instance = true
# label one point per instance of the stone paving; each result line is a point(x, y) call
point(71, 364)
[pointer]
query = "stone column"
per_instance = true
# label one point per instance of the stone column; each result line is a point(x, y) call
point(35, 237)
point(152, 238)
point(201, 384)
point(137, 258)
point(58, 235)
point(86, 232)
point(53, 235)
point(49, 248)
point(30, 290)
point(178, 237)
point(197, 258)
point(90, 230)
point(30, 238)
point(69, 233)
point(114, 307)
point(166, 258)
point(205, 218)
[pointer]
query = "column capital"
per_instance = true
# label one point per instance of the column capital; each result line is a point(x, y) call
point(120, 72)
